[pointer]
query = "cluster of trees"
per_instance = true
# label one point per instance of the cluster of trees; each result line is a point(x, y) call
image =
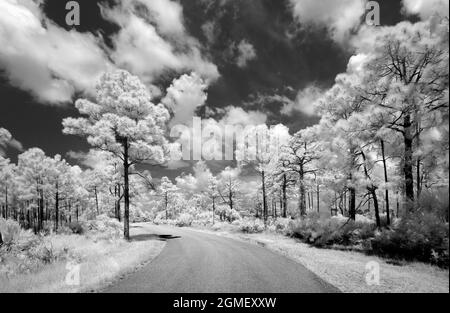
point(44, 193)
point(381, 142)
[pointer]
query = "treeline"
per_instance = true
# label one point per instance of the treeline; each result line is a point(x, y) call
point(44, 193)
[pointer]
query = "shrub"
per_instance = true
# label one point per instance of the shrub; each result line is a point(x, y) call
point(184, 219)
point(282, 225)
point(335, 231)
point(137, 215)
point(219, 226)
point(76, 228)
point(105, 227)
point(10, 230)
point(436, 202)
point(204, 218)
point(160, 218)
point(23, 251)
point(251, 225)
point(419, 236)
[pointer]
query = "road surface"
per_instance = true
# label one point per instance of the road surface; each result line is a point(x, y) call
point(195, 261)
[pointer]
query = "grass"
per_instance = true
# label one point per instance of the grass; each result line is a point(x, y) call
point(101, 261)
point(347, 269)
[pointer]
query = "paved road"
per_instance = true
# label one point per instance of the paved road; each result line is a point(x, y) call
point(198, 262)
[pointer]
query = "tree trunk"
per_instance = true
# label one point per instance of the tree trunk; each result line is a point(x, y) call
point(116, 215)
point(344, 201)
point(230, 195)
point(263, 178)
point(418, 179)
point(96, 200)
point(284, 196)
point(352, 201)
point(373, 191)
point(318, 197)
point(118, 204)
point(375, 206)
point(56, 208)
point(274, 208)
point(126, 194)
point(386, 196)
point(41, 210)
point(408, 161)
point(418, 176)
point(166, 204)
point(302, 200)
point(6, 202)
point(213, 209)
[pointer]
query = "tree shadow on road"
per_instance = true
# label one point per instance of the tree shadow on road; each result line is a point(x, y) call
point(143, 237)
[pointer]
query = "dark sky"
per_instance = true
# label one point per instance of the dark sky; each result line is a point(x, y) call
point(283, 65)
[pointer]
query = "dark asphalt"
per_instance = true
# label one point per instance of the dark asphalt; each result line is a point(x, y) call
point(198, 262)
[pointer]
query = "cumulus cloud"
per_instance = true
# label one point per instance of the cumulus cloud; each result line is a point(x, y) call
point(141, 48)
point(197, 182)
point(184, 96)
point(425, 8)
point(7, 140)
point(94, 159)
point(53, 64)
point(230, 172)
point(41, 57)
point(238, 116)
point(305, 101)
point(168, 15)
point(246, 53)
point(209, 29)
point(339, 17)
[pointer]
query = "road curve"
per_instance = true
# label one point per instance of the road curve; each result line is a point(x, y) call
point(199, 262)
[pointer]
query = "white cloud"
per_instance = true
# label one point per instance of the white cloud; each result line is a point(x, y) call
point(209, 29)
point(184, 96)
point(246, 53)
point(94, 159)
point(304, 102)
point(48, 61)
point(167, 14)
point(140, 48)
point(426, 8)
point(197, 182)
point(340, 17)
point(7, 140)
point(230, 172)
point(52, 63)
point(236, 115)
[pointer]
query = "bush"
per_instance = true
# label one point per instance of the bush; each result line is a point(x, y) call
point(282, 225)
point(322, 232)
point(137, 215)
point(76, 228)
point(105, 227)
point(204, 218)
point(10, 230)
point(160, 218)
point(184, 219)
point(418, 236)
point(251, 225)
point(23, 251)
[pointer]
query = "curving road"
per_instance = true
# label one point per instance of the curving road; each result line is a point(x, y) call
point(198, 262)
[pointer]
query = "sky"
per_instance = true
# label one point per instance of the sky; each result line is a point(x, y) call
point(259, 61)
